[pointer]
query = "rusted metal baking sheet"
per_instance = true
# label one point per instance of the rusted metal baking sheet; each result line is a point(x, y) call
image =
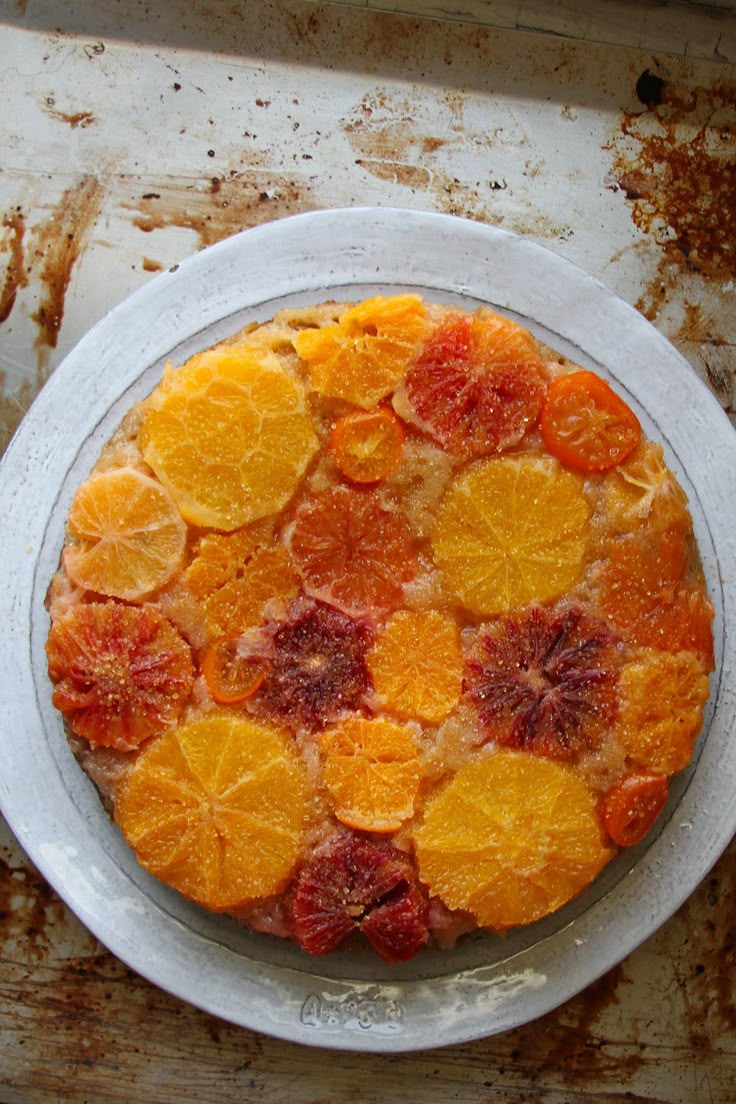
point(133, 135)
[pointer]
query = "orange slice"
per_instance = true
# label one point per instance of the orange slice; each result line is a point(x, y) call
point(417, 665)
point(229, 435)
point(512, 530)
point(216, 809)
point(645, 591)
point(661, 711)
point(366, 353)
point(510, 838)
point(127, 536)
point(643, 492)
point(366, 445)
point(234, 575)
point(372, 773)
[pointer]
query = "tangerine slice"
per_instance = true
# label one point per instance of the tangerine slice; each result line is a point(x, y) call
point(216, 808)
point(630, 808)
point(234, 575)
point(229, 435)
point(230, 676)
point(586, 425)
point(643, 492)
point(127, 536)
point(510, 838)
point(372, 773)
point(478, 384)
point(512, 530)
point(366, 445)
point(417, 665)
point(644, 592)
point(122, 673)
point(662, 702)
point(352, 551)
point(366, 353)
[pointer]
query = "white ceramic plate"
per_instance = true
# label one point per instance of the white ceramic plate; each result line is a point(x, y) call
point(347, 1000)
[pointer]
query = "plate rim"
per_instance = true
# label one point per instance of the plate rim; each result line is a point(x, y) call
point(25, 459)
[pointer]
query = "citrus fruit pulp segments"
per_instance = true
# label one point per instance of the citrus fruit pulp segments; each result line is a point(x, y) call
point(128, 535)
point(512, 530)
point(217, 809)
point(230, 437)
point(446, 613)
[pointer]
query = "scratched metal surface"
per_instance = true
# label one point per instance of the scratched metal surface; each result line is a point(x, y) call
point(132, 137)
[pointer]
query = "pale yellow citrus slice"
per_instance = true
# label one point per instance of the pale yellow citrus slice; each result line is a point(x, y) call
point(510, 838)
point(229, 435)
point(417, 665)
point(126, 535)
point(512, 530)
point(216, 808)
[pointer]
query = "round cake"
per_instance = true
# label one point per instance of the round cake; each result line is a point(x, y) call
point(380, 622)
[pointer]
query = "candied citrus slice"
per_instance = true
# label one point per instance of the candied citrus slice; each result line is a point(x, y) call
point(662, 702)
point(231, 676)
point(366, 445)
point(234, 575)
point(122, 673)
point(366, 353)
point(417, 665)
point(229, 435)
point(477, 386)
point(352, 551)
point(216, 808)
point(586, 425)
point(511, 530)
point(644, 591)
point(631, 807)
point(643, 492)
point(545, 680)
point(510, 838)
point(127, 536)
point(372, 772)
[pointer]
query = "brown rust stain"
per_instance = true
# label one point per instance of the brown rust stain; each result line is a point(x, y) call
point(388, 144)
point(16, 276)
point(150, 265)
point(76, 119)
point(58, 243)
point(675, 162)
point(212, 212)
point(29, 912)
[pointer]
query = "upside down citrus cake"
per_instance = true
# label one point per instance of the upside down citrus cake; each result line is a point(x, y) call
point(380, 619)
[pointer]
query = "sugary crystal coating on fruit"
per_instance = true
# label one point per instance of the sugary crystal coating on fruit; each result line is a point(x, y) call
point(353, 884)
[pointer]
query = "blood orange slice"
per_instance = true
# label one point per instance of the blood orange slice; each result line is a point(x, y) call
point(352, 551)
point(121, 673)
point(478, 384)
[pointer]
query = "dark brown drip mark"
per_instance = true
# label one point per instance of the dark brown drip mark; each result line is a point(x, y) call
point(16, 275)
point(60, 241)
